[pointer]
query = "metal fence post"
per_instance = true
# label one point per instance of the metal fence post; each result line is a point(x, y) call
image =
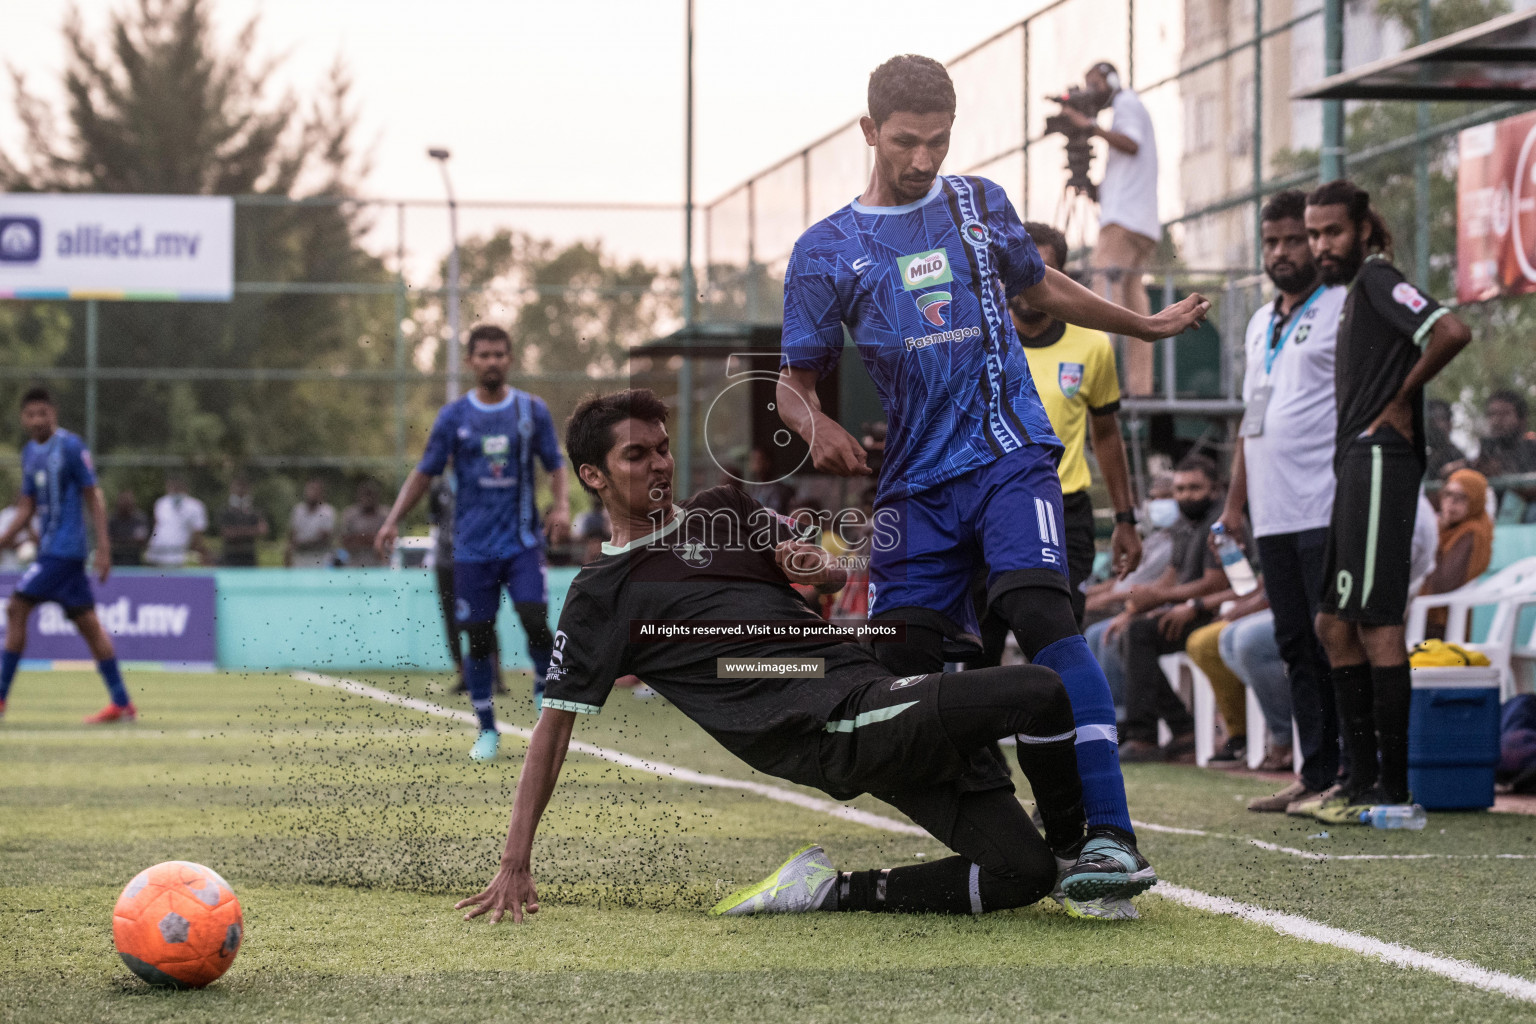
point(92, 371)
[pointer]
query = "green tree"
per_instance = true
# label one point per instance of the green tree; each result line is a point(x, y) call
point(162, 107)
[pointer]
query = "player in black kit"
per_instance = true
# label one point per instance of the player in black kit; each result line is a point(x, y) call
point(1393, 339)
point(921, 743)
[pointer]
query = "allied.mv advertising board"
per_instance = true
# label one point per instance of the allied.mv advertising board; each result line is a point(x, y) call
point(125, 247)
point(167, 619)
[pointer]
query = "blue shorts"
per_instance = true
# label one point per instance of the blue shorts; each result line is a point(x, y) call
point(928, 547)
point(62, 580)
point(477, 586)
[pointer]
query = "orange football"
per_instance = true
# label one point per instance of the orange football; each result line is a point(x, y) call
point(177, 924)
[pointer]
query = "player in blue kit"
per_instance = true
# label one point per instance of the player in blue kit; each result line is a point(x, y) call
point(918, 271)
point(492, 436)
point(58, 485)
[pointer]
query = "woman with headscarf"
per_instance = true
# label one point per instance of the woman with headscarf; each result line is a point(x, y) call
point(1466, 540)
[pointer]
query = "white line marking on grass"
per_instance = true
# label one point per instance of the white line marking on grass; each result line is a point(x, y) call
point(1387, 952)
point(1314, 855)
point(1286, 924)
point(810, 803)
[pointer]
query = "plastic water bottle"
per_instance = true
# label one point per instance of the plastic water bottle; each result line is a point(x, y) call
point(1233, 562)
point(1394, 816)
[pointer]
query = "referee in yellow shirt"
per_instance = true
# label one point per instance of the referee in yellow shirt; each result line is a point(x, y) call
point(1074, 371)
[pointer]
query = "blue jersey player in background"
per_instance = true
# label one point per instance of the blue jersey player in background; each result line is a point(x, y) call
point(58, 485)
point(918, 270)
point(492, 436)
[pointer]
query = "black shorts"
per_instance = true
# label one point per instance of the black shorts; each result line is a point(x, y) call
point(1078, 533)
point(1370, 540)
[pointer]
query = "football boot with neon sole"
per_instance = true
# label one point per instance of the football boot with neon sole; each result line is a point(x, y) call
point(113, 713)
point(1107, 868)
point(486, 746)
point(1092, 910)
point(798, 885)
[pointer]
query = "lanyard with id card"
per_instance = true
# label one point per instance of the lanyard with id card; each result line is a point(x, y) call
point(1253, 417)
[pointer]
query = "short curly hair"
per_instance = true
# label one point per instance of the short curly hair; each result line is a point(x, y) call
point(915, 84)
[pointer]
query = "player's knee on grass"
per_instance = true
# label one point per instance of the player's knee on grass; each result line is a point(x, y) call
point(534, 616)
point(1038, 615)
point(482, 639)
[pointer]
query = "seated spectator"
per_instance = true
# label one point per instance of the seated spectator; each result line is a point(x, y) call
point(1508, 449)
point(1466, 541)
point(360, 523)
point(1159, 617)
point(590, 529)
point(25, 541)
point(180, 522)
point(1443, 455)
point(1238, 652)
point(311, 529)
point(1107, 599)
point(241, 525)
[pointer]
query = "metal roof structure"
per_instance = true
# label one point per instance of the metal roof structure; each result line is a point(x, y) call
point(1494, 60)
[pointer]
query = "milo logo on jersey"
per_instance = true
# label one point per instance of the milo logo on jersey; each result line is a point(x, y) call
point(497, 449)
point(922, 272)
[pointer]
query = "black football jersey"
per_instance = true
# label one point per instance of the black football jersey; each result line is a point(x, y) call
point(1382, 330)
point(712, 565)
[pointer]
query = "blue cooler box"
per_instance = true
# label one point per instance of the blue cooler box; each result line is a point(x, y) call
point(1453, 737)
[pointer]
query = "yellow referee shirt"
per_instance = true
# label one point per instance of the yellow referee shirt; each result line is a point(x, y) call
point(1074, 371)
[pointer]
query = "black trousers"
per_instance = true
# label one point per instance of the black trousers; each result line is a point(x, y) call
point(1294, 564)
point(931, 760)
point(1149, 696)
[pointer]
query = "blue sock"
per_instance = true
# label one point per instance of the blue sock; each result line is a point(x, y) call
point(540, 656)
point(1093, 712)
point(8, 663)
point(480, 677)
point(114, 680)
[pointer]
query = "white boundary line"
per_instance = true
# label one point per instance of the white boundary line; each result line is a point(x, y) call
point(1314, 855)
point(1387, 952)
point(1286, 924)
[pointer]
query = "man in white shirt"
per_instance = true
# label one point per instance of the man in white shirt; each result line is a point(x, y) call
point(311, 529)
point(1283, 467)
point(1128, 223)
point(180, 521)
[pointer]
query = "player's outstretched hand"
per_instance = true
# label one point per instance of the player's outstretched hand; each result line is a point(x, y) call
point(808, 564)
point(384, 540)
point(834, 450)
point(512, 889)
point(1184, 315)
point(557, 525)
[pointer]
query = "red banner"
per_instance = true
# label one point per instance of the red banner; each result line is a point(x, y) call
point(1496, 210)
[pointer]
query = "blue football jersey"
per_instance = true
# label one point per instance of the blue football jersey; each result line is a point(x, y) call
point(492, 448)
point(55, 474)
point(922, 291)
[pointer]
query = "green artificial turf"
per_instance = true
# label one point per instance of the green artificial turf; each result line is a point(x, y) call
point(348, 828)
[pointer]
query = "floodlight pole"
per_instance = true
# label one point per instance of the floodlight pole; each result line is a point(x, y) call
point(684, 448)
point(453, 355)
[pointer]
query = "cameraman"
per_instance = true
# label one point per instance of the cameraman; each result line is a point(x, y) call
point(1128, 223)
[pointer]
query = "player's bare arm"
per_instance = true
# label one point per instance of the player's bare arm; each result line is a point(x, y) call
point(416, 485)
point(1447, 337)
point(1237, 493)
point(512, 888)
point(26, 508)
point(102, 557)
point(1065, 299)
point(557, 525)
point(809, 565)
point(833, 449)
point(1109, 449)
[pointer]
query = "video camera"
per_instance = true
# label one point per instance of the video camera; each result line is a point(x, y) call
point(1079, 151)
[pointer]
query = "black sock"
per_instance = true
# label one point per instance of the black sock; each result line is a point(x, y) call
point(938, 887)
point(1357, 723)
point(1393, 687)
point(1051, 769)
